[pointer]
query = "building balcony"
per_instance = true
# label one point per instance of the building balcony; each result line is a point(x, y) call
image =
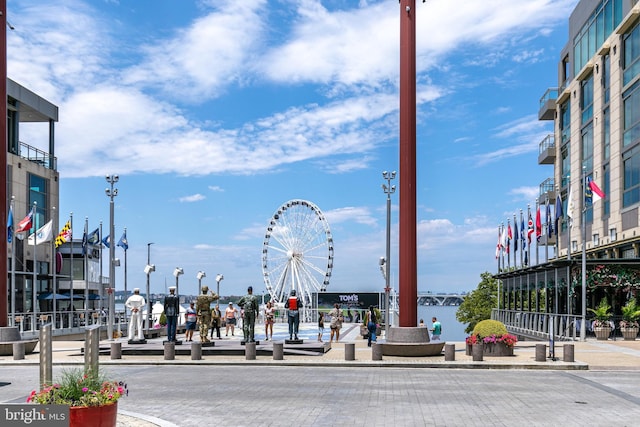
point(547, 150)
point(548, 104)
point(547, 191)
point(38, 156)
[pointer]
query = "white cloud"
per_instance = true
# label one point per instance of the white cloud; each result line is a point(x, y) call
point(216, 188)
point(192, 198)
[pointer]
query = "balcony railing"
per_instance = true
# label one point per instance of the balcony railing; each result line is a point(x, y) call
point(38, 156)
point(548, 104)
point(547, 150)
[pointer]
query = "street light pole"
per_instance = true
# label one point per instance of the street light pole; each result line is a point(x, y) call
point(388, 190)
point(219, 278)
point(111, 193)
point(177, 272)
point(148, 269)
point(199, 276)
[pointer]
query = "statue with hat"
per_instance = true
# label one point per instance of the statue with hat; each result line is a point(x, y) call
point(203, 308)
point(135, 303)
point(249, 304)
point(171, 311)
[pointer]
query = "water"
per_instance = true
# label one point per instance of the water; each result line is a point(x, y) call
point(452, 330)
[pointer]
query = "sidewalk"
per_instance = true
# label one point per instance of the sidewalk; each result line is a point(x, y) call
point(591, 354)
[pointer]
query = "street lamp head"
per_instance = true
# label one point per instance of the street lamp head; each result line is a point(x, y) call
point(149, 268)
point(382, 260)
point(219, 278)
point(384, 174)
point(200, 275)
point(178, 271)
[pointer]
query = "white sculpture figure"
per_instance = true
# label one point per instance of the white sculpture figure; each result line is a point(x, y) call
point(135, 303)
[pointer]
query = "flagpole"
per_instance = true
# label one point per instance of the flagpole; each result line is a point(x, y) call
point(516, 237)
point(508, 245)
point(54, 259)
point(13, 267)
point(35, 274)
point(502, 239)
point(71, 274)
point(86, 274)
point(547, 215)
point(583, 329)
point(101, 288)
point(521, 237)
point(125, 267)
point(569, 218)
point(537, 231)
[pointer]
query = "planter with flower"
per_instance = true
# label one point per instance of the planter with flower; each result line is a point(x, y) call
point(92, 399)
point(494, 337)
point(602, 320)
point(629, 323)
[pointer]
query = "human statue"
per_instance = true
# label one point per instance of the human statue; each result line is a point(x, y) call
point(203, 308)
point(135, 303)
point(293, 305)
point(249, 303)
point(171, 312)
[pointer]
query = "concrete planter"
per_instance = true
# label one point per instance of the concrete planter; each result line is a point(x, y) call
point(602, 332)
point(629, 334)
point(498, 349)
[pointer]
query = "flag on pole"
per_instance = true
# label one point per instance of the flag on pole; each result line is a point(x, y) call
point(559, 213)
point(538, 224)
point(509, 237)
point(10, 225)
point(44, 234)
point(547, 216)
point(531, 229)
point(593, 193)
point(570, 206)
point(92, 238)
point(123, 242)
point(65, 234)
point(26, 223)
point(522, 232)
point(107, 241)
point(499, 244)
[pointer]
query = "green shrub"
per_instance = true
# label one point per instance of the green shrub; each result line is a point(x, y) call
point(163, 319)
point(487, 328)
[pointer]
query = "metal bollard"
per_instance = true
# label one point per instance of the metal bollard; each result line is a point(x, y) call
point(46, 355)
point(541, 352)
point(196, 351)
point(116, 350)
point(278, 350)
point(250, 351)
point(376, 351)
point(169, 350)
point(449, 352)
point(92, 349)
point(477, 352)
point(567, 353)
point(18, 351)
point(349, 351)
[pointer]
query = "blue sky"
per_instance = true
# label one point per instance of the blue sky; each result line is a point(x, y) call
point(216, 112)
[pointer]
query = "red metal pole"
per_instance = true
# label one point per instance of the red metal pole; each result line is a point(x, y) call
point(4, 318)
point(407, 262)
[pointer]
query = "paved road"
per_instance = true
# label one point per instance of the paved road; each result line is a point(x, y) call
point(341, 396)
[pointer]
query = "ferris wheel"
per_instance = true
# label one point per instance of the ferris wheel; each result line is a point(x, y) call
point(297, 252)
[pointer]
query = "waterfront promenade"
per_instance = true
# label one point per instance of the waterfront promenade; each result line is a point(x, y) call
point(599, 388)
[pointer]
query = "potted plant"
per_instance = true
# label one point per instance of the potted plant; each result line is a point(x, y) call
point(494, 337)
point(92, 399)
point(629, 323)
point(602, 322)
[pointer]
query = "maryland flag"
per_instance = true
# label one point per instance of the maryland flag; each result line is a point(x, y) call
point(65, 234)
